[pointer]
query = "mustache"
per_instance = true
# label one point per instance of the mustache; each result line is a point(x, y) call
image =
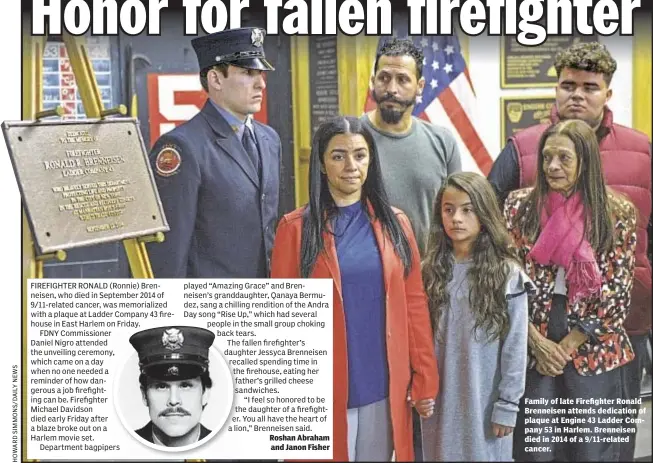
point(392, 99)
point(175, 411)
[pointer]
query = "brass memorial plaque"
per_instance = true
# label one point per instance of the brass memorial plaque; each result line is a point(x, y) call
point(84, 182)
point(518, 113)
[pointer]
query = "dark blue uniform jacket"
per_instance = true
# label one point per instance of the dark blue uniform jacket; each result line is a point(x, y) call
point(221, 216)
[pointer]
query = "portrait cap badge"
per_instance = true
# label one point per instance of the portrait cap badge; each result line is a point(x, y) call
point(172, 339)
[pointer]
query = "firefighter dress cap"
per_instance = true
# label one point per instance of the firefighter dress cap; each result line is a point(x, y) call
point(238, 47)
point(173, 352)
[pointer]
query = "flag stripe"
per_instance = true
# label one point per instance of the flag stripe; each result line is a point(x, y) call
point(465, 94)
point(466, 130)
point(469, 80)
point(462, 92)
point(436, 112)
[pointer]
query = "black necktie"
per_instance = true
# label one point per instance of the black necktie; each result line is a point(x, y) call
point(250, 147)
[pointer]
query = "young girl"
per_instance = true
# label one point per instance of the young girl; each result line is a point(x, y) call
point(478, 306)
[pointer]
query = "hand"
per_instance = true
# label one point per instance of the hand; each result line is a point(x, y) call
point(572, 340)
point(545, 369)
point(424, 407)
point(551, 357)
point(500, 430)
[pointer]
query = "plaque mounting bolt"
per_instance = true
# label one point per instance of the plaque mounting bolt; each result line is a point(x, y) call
point(120, 110)
point(58, 111)
point(58, 255)
point(158, 237)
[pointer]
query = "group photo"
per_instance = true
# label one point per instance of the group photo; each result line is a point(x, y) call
point(483, 209)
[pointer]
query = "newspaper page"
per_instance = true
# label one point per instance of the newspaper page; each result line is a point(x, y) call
point(107, 364)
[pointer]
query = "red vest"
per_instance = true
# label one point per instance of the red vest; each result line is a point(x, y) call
point(626, 159)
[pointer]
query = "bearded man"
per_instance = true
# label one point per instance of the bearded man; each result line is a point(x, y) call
point(415, 155)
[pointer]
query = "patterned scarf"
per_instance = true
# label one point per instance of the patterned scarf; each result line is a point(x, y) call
point(562, 242)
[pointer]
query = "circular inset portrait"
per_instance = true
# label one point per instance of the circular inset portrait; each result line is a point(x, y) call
point(175, 392)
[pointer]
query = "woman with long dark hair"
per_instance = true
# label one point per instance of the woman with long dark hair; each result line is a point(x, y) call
point(577, 241)
point(382, 342)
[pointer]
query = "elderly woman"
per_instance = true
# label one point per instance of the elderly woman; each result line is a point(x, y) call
point(577, 240)
point(382, 342)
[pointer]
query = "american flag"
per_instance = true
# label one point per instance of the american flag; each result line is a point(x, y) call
point(448, 99)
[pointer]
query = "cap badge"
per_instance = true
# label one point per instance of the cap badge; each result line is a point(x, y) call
point(172, 339)
point(257, 37)
point(173, 371)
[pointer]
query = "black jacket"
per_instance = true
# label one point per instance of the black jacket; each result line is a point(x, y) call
point(222, 217)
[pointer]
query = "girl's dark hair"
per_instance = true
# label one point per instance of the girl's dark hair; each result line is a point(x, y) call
point(321, 208)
